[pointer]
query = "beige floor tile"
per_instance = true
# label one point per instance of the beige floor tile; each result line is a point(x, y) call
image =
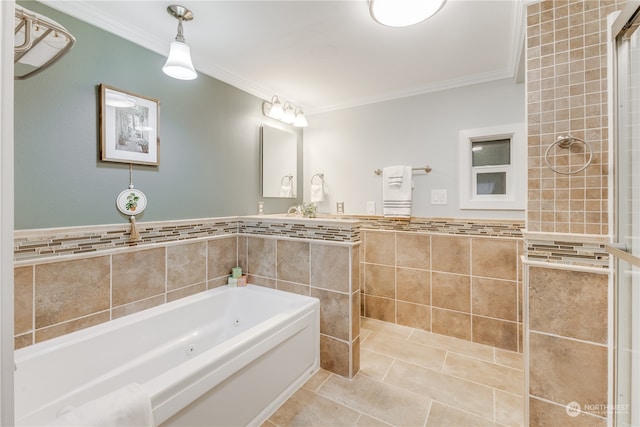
point(386, 327)
point(489, 374)
point(456, 345)
point(509, 409)
point(466, 395)
point(306, 408)
point(317, 380)
point(442, 415)
point(407, 374)
point(510, 359)
point(374, 365)
point(364, 333)
point(403, 349)
point(367, 421)
point(383, 401)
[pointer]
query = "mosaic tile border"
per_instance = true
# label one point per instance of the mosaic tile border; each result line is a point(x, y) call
point(578, 251)
point(470, 227)
point(48, 243)
point(35, 244)
point(350, 232)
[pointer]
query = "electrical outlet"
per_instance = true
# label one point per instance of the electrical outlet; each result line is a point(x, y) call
point(438, 197)
point(371, 208)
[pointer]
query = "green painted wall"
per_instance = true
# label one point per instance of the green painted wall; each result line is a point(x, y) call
point(209, 139)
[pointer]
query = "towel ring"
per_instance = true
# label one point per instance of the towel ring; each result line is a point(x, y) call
point(319, 175)
point(289, 177)
point(565, 141)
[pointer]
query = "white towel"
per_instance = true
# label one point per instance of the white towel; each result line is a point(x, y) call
point(129, 406)
point(317, 192)
point(397, 191)
point(286, 186)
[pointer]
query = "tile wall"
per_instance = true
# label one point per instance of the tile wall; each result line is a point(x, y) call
point(568, 352)
point(324, 270)
point(567, 303)
point(468, 287)
point(567, 94)
point(73, 278)
point(57, 297)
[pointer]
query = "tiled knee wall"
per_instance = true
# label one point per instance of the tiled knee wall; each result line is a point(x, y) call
point(54, 297)
point(327, 271)
point(70, 279)
point(468, 287)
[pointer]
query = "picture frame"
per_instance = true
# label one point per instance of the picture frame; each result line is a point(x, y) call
point(129, 127)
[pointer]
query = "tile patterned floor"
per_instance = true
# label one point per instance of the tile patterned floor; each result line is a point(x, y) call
point(409, 377)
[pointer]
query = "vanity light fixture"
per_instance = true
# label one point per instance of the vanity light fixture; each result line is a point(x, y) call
point(286, 114)
point(402, 13)
point(179, 65)
point(301, 120)
point(289, 115)
point(273, 109)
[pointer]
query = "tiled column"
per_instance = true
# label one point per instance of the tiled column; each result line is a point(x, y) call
point(324, 270)
point(333, 280)
point(317, 257)
point(567, 340)
point(567, 47)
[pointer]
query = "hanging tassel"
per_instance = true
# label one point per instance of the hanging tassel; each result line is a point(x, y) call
point(135, 236)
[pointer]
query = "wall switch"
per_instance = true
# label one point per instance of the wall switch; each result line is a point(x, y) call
point(371, 208)
point(438, 197)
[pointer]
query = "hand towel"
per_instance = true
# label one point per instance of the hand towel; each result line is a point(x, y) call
point(286, 186)
point(129, 406)
point(317, 192)
point(397, 191)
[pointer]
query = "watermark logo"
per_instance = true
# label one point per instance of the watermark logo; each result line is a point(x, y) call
point(573, 409)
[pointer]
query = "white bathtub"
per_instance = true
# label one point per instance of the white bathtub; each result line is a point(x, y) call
point(226, 357)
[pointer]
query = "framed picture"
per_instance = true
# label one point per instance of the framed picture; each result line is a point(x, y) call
point(129, 126)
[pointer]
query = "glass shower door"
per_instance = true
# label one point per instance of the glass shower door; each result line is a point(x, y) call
point(627, 228)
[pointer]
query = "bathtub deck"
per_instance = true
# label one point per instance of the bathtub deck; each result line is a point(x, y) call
point(412, 377)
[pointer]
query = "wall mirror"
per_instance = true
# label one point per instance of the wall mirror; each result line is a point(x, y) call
point(279, 162)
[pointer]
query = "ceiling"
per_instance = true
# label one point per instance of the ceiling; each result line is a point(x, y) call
point(327, 54)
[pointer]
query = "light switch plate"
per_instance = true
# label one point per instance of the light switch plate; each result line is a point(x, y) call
point(438, 197)
point(371, 208)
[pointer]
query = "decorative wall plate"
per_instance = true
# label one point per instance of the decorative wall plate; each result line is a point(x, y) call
point(131, 201)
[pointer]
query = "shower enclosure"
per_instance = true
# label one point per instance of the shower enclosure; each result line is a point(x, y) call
point(625, 130)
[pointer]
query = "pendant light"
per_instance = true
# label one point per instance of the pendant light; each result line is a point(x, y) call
point(402, 13)
point(179, 65)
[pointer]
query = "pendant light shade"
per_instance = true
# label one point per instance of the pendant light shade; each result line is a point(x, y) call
point(179, 65)
point(402, 13)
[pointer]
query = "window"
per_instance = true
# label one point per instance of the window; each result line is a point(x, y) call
point(492, 168)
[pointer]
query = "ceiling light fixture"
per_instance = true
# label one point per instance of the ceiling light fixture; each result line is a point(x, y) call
point(286, 114)
point(402, 13)
point(179, 65)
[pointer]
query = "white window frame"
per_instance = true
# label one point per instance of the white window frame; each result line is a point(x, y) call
point(516, 171)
